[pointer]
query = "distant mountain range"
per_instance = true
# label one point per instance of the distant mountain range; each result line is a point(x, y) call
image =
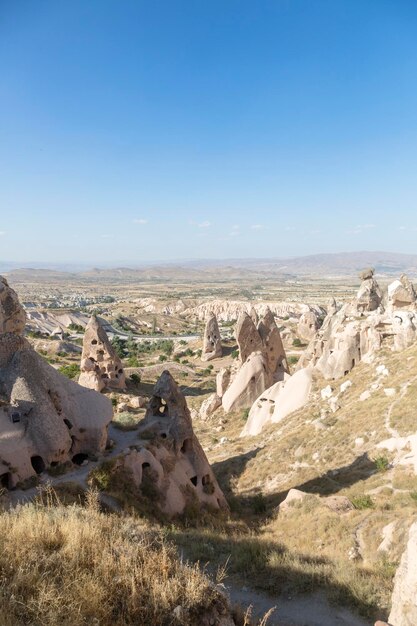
point(337, 265)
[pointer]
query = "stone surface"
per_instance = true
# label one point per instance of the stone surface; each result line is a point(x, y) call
point(101, 368)
point(369, 296)
point(169, 456)
point(404, 597)
point(12, 314)
point(45, 418)
point(212, 346)
point(401, 293)
point(247, 337)
point(308, 325)
point(209, 406)
point(279, 401)
point(222, 381)
point(263, 361)
point(250, 381)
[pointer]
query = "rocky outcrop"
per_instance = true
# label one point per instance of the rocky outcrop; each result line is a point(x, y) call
point(212, 345)
point(369, 296)
point(250, 381)
point(12, 314)
point(210, 406)
point(404, 598)
point(401, 293)
point(263, 361)
point(101, 368)
point(45, 418)
point(169, 456)
point(308, 325)
point(279, 401)
point(230, 310)
point(247, 337)
point(222, 381)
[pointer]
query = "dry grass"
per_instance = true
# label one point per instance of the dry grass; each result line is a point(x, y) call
point(74, 566)
point(310, 547)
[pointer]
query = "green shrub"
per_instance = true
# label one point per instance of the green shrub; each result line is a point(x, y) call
point(71, 371)
point(382, 464)
point(363, 502)
point(135, 378)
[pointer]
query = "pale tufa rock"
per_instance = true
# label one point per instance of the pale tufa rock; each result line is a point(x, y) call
point(101, 368)
point(212, 345)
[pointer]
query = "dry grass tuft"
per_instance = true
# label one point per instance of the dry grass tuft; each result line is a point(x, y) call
point(74, 565)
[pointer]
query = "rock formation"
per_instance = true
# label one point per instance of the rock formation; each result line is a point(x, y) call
point(45, 418)
point(250, 381)
point(12, 314)
point(101, 368)
point(401, 293)
point(369, 296)
point(308, 325)
point(404, 598)
point(222, 381)
point(247, 337)
point(212, 345)
point(279, 401)
point(263, 361)
point(169, 455)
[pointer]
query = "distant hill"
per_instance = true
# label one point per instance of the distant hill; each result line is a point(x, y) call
point(336, 265)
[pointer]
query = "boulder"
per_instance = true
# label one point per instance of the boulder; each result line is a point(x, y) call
point(401, 293)
point(169, 456)
point(101, 368)
point(209, 406)
point(212, 346)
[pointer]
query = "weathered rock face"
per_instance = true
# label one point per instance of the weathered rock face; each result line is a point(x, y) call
point(170, 456)
point(101, 368)
point(404, 598)
point(279, 401)
point(210, 406)
point(369, 296)
point(263, 361)
point(404, 326)
point(272, 346)
point(45, 418)
point(250, 381)
point(12, 314)
point(308, 325)
point(212, 345)
point(401, 293)
point(247, 337)
point(222, 381)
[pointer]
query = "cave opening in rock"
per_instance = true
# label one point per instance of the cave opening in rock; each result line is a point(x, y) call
point(194, 480)
point(187, 446)
point(79, 458)
point(5, 480)
point(38, 464)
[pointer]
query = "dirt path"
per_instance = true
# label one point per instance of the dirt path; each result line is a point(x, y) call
point(404, 388)
point(303, 610)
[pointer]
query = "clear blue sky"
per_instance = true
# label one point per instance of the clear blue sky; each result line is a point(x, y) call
point(133, 130)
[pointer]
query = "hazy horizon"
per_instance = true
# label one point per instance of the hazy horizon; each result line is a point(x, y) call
point(171, 130)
